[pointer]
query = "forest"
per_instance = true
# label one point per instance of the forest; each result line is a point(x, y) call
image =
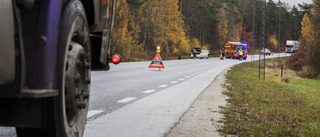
point(179, 25)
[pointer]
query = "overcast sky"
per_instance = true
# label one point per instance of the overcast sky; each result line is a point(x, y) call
point(295, 2)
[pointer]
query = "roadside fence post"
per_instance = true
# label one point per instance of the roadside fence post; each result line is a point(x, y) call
point(281, 70)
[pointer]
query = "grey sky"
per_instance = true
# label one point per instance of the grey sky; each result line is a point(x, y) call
point(295, 2)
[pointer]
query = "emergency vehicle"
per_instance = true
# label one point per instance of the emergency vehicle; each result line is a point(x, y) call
point(232, 48)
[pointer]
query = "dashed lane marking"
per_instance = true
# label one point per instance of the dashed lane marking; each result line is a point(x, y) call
point(181, 79)
point(173, 82)
point(93, 112)
point(187, 76)
point(125, 100)
point(163, 86)
point(148, 91)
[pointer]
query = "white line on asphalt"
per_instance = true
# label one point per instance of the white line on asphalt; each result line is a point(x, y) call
point(125, 100)
point(187, 76)
point(93, 112)
point(148, 91)
point(181, 79)
point(192, 75)
point(173, 82)
point(163, 86)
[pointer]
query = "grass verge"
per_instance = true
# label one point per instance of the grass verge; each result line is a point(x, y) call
point(288, 106)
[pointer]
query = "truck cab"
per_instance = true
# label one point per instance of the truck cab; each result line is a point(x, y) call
point(292, 46)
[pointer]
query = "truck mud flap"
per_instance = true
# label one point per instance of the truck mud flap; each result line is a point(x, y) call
point(100, 49)
point(22, 112)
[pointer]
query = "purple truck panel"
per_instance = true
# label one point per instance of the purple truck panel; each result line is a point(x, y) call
point(40, 31)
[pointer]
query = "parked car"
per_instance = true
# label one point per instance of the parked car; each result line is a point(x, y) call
point(205, 54)
point(195, 53)
point(267, 52)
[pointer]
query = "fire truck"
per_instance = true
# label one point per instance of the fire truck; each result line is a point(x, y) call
point(48, 49)
point(232, 49)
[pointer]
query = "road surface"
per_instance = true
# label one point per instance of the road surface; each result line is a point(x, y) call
point(132, 100)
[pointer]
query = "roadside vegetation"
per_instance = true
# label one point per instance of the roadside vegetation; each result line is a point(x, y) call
point(310, 38)
point(179, 25)
point(287, 106)
point(148, 56)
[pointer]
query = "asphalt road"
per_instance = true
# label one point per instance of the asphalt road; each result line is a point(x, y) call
point(132, 100)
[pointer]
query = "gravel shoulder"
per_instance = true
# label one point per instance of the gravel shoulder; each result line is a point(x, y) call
point(202, 118)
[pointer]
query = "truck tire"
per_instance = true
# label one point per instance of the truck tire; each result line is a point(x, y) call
point(74, 72)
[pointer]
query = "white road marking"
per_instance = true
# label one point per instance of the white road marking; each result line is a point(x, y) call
point(125, 100)
point(163, 86)
point(173, 82)
point(181, 79)
point(93, 112)
point(192, 75)
point(187, 76)
point(148, 91)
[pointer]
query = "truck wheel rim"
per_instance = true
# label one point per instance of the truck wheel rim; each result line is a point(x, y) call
point(77, 83)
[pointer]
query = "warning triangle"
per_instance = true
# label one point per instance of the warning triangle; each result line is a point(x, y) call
point(156, 62)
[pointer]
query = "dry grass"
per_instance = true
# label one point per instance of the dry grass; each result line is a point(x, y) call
point(274, 107)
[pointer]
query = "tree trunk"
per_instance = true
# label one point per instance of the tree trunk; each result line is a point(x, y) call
point(180, 14)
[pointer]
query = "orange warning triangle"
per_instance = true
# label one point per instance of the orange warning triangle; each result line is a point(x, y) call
point(156, 62)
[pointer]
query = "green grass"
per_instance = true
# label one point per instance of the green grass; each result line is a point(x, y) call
point(307, 88)
point(274, 107)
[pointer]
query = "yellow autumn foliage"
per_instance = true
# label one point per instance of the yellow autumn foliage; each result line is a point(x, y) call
point(273, 41)
point(195, 43)
point(134, 31)
point(159, 21)
point(156, 22)
point(122, 39)
point(184, 45)
point(205, 47)
point(307, 32)
point(222, 27)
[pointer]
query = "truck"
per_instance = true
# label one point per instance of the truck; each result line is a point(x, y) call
point(232, 49)
point(292, 46)
point(48, 49)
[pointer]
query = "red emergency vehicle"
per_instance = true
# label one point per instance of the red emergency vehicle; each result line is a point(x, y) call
point(232, 48)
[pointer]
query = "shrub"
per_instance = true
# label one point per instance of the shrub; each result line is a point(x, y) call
point(310, 72)
point(296, 61)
